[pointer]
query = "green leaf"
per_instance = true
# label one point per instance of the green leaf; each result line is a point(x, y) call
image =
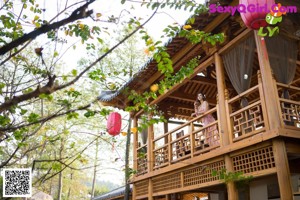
point(89, 113)
point(64, 103)
point(2, 85)
point(72, 145)
point(72, 115)
point(18, 134)
point(46, 96)
point(55, 54)
point(56, 166)
point(27, 91)
point(23, 112)
point(33, 117)
point(4, 120)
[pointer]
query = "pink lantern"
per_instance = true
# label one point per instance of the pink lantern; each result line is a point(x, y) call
point(254, 16)
point(114, 123)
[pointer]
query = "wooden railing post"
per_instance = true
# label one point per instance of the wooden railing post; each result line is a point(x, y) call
point(274, 119)
point(192, 138)
point(223, 126)
point(263, 101)
point(228, 111)
point(150, 156)
point(169, 149)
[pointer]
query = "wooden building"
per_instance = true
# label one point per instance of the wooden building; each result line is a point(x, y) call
point(253, 88)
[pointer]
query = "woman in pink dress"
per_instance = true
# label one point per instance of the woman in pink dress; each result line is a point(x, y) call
point(201, 106)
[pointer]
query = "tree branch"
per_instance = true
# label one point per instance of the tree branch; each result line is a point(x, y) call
point(105, 54)
point(79, 13)
point(50, 87)
point(46, 118)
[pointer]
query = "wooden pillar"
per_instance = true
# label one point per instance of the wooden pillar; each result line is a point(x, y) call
point(150, 156)
point(223, 126)
point(283, 170)
point(223, 122)
point(135, 157)
point(273, 112)
point(150, 190)
point(135, 144)
point(231, 189)
point(267, 82)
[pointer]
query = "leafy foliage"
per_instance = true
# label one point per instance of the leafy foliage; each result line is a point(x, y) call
point(237, 177)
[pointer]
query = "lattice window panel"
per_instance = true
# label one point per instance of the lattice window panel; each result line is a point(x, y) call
point(142, 165)
point(202, 174)
point(290, 114)
point(257, 160)
point(161, 156)
point(141, 187)
point(168, 182)
point(248, 121)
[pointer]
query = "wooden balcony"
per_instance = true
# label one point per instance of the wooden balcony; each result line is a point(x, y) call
point(191, 140)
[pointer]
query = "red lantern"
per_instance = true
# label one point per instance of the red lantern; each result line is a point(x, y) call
point(114, 123)
point(255, 13)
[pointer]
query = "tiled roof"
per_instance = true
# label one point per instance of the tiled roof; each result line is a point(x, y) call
point(114, 193)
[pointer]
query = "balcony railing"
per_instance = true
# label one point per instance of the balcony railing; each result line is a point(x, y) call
point(142, 161)
point(290, 106)
point(248, 120)
point(192, 138)
point(186, 141)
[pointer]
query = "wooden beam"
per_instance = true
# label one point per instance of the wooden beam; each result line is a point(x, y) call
point(204, 81)
point(175, 106)
point(293, 148)
point(230, 45)
point(190, 98)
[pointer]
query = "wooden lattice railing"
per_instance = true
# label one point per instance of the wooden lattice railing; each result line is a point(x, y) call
point(186, 141)
point(191, 138)
point(249, 120)
point(290, 107)
point(142, 161)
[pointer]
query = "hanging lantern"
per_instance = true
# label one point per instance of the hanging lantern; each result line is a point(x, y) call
point(254, 16)
point(114, 123)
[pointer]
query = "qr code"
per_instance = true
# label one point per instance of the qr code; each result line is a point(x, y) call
point(16, 182)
